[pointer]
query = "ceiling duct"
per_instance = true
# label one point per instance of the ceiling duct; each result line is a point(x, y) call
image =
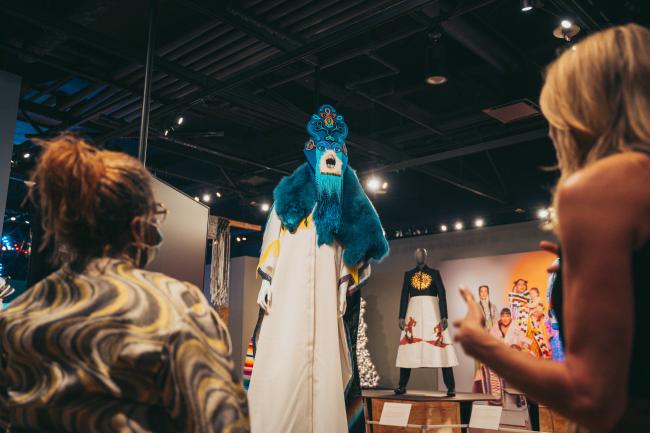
point(474, 38)
point(513, 111)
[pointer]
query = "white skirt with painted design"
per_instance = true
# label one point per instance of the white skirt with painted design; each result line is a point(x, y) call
point(423, 343)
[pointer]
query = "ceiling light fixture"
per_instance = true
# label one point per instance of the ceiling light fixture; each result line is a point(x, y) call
point(479, 222)
point(435, 60)
point(459, 225)
point(196, 198)
point(166, 132)
point(206, 198)
point(27, 155)
point(180, 120)
point(265, 207)
point(384, 185)
point(543, 214)
point(567, 30)
point(443, 228)
point(526, 5)
point(13, 218)
point(218, 194)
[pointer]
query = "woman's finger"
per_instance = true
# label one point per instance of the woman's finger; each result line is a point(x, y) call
point(467, 295)
point(551, 247)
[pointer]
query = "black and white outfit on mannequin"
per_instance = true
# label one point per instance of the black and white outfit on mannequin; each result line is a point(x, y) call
point(425, 341)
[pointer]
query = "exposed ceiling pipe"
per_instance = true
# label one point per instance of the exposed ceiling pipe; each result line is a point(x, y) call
point(469, 35)
point(84, 14)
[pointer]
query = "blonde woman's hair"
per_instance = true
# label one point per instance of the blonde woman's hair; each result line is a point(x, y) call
point(597, 97)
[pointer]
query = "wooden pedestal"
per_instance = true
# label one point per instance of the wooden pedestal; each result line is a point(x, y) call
point(427, 408)
point(422, 413)
point(551, 422)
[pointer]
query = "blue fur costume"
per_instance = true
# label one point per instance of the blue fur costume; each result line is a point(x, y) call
point(360, 230)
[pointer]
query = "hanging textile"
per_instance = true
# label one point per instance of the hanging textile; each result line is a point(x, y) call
point(219, 232)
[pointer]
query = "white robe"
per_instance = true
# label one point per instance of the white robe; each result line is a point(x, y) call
point(302, 364)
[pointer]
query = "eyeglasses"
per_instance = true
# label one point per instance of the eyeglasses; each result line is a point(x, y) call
point(160, 214)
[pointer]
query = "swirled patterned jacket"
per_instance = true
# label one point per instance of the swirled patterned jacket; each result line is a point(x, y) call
point(117, 349)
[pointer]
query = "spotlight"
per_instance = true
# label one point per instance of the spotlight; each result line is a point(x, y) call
point(567, 30)
point(384, 185)
point(196, 198)
point(265, 207)
point(166, 132)
point(479, 222)
point(206, 198)
point(443, 228)
point(243, 239)
point(26, 222)
point(526, 5)
point(13, 218)
point(180, 120)
point(543, 214)
point(27, 155)
point(458, 225)
point(218, 194)
point(373, 184)
point(435, 61)
point(238, 239)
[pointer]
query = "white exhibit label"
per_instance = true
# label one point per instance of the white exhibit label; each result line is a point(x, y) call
point(485, 417)
point(395, 414)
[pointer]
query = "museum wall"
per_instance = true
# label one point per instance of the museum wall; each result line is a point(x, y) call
point(384, 288)
point(447, 252)
point(242, 315)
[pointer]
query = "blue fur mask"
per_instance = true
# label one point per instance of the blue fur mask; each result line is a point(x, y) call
point(328, 157)
point(325, 150)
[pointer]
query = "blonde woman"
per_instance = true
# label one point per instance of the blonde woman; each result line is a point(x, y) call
point(597, 101)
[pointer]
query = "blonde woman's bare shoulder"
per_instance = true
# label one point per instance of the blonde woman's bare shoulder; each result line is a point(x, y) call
point(629, 171)
point(613, 191)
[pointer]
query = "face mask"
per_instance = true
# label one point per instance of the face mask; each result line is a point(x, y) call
point(149, 247)
point(325, 150)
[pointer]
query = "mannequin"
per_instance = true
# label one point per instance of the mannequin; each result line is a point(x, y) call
point(319, 240)
point(425, 341)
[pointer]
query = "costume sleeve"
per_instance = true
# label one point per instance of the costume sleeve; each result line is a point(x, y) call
point(270, 247)
point(442, 296)
point(354, 276)
point(199, 387)
point(404, 300)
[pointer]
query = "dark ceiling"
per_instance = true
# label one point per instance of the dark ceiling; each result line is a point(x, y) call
point(246, 75)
